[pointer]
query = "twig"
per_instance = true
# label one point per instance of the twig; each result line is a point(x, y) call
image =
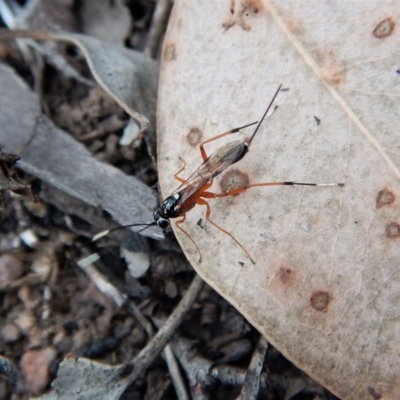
point(101, 281)
point(174, 370)
point(196, 367)
point(202, 374)
point(158, 22)
point(252, 381)
point(146, 325)
point(229, 375)
point(138, 366)
point(176, 376)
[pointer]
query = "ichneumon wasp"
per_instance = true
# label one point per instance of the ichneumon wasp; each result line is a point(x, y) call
point(194, 190)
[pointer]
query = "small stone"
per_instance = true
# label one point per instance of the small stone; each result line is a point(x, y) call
point(35, 367)
point(11, 268)
point(25, 321)
point(37, 208)
point(171, 290)
point(10, 333)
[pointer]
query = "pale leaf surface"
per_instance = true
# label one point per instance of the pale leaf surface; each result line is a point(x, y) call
point(326, 283)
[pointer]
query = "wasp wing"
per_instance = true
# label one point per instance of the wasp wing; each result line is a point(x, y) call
point(218, 162)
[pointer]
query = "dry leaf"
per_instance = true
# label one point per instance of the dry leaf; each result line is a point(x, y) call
point(129, 77)
point(107, 21)
point(57, 159)
point(324, 289)
point(86, 379)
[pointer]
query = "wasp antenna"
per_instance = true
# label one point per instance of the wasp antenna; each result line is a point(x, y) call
point(265, 114)
point(147, 225)
point(94, 256)
point(101, 234)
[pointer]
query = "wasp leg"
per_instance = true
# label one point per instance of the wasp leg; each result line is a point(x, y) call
point(181, 221)
point(203, 152)
point(233, 192)
point(178, 178)
point(202, 202)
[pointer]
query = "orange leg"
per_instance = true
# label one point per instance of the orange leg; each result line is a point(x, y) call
point(203, 152)
point(233, 192)
point(181, 221)
point(203, 194)
point(178, 178)
point(202, 202)
point(209, 195)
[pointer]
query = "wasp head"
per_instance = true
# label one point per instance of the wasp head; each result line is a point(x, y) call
point(161, 219)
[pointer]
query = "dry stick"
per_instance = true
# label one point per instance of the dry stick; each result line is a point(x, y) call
point(202, 372)
point(173, 368)
point(228, 375)
point(137, 314)
point(196, 367)
point(102, 283)
point(138, 366)
point(157, 27)
point(252, 382)
point(174, 371)
point(290, 384)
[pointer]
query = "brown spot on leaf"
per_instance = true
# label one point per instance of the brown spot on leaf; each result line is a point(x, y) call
point(294, 25)
point(254, 5)
point(233, 179)
point(239, 10)
point(286, 275)
point(232, 8)
point(194, 136)
point(333, 75)
point(169, 52)
point(320, 300)
point(385, 28)
point(385, 197)
point(393, 230)
point(375, 395)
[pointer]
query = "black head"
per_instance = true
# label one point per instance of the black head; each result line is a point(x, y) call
point(161, 219)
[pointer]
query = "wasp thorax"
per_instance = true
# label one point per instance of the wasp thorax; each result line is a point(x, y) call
point(170, 207)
